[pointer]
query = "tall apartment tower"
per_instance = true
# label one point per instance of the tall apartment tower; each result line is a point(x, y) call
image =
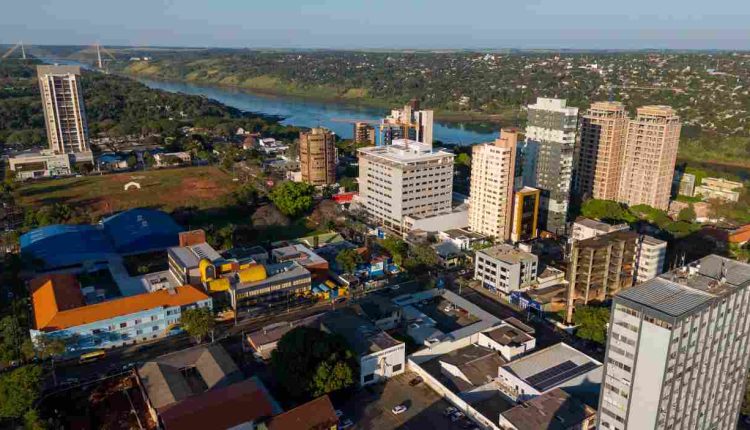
point(408, 123)
point(406, 178)
point(317, 156)
point(678, 349)
point(492, 179)
point(551, 133)
point(600, 149)
point(64, 111)
point(364, 133)
point(649, 157)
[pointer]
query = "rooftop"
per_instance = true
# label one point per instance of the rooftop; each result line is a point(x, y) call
point(599, 225)
point(551, 366)
point(459, 233)
point(377, 307)
point(173, 377)
point(273, 333)
point(288, 270)
point(297, 252)
point(554, 410)
point(315, 414)
point(362, 336)
point(403, 151)
point(605, 240)
point(507, 253)
point(477, 363)
point(507, 334)
point(689, 288)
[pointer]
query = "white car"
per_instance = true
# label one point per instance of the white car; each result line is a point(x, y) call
point(399, 409)
point(346, 424)
point(339, 413)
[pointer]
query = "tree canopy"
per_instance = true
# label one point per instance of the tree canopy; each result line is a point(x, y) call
point(396, 247)
point(198, 322)
point(309, 363)
point(606, 210)
point(19, 389)
point(348, 259)
point(293, 198)
point(592, 323)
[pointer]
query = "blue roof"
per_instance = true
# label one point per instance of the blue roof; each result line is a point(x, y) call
point(66, 245)
point(109, 158)
point(140, 230)
point(128, 232)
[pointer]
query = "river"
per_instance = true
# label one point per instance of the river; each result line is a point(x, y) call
point(332, 115)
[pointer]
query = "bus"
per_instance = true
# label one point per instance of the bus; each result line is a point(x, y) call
point(92, 356)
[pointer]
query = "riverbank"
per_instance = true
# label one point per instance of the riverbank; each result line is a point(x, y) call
point(354, 97)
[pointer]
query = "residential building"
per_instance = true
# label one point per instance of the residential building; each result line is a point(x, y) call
point(586, 228)
point(740, 235)
point(45, 164)
point(202, 386)
point(510, 341)
point(492, 181)
point(599, 153)
point(405, 178)
point(64, 111)
point(364, 133)
point(167, 159)
point(599, 267)
point(457, 218)
point(380, 356)
point(525, 215)
point(551, 132)
point(264, 341)
point(408, 123)
point(306, 258)
point(380, 310)
point(558, 366)
point(63, 310)
point(683, 184)
point(649, 157)
point(553, 410)
point(317, 156)
point(719, 188)
point(503, 269)
point(317, 414)
point(651, 256)
point(463, 239)
point(677, 350)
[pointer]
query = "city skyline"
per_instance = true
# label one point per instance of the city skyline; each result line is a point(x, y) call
point(350, 25)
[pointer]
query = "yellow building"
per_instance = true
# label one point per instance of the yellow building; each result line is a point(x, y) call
point(525, 214)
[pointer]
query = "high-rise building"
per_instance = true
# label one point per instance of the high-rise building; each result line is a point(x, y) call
point(404, 178)
point(317, 156)
point(649, 157)
point(491, 192)
point(364, 133)
point(408, 123)
point(64, 111)
point(677, 350)
point(551, 133)
point(651, 256)
point(525, 214)
point(599, 267)
point(599, 153)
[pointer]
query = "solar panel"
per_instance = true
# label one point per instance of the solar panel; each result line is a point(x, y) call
point(556, 375)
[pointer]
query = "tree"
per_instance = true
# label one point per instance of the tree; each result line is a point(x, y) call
point(246, 196)
point(349, 184)
point(293, 198)
point(396, 247)
point(421, 259)
point(687, 214)
point(309, 363)
point(348, 259)
point(326, 213)
point(198, 322)
point(463, 159)
point(592, 323)
point(131, 161)
point(606, 210)
point(269, 215)
point(19, 389)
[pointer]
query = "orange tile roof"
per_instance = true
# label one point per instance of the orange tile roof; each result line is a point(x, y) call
point(50, 318)
point(741, 235)
point(52, 294)
point(315, 414)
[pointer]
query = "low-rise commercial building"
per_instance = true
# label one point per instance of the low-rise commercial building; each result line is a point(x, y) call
point(45, 164)
point(553, 410)
point(503, 269)
point(167, 159)
point(510, 341)
point(719, 188)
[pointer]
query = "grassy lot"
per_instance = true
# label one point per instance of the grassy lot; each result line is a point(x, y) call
point(204, 188)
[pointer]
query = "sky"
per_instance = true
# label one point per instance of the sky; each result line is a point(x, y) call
point(382, 24)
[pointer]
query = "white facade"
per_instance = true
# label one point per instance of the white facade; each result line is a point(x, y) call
point(406, 178)
point(455, 219)
point(492, 180)
point(46, 164)
point(650, 258)
point(381, 365)
point(64, 112)
point(517, 343)
point(504, 269)
point(586, 228)
point(677, 351)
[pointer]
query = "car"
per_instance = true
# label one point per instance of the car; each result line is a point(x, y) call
point(413, 326)
point(395, 287)
point(424, 302)
point(345, 424)
point(448, 308)
point(399, 409)
point(416, 381)
point(449, 411)
point(339, 413)
point(455, 416)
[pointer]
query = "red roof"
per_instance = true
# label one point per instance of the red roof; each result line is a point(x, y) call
point(220, 408)
point(741, 235)
point(52, 294)
point(342, 198)
point(316, 414)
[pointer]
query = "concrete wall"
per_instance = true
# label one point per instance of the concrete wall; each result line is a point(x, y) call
point(382, 363)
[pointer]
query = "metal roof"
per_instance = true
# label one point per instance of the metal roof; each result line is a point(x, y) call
point(667, 297)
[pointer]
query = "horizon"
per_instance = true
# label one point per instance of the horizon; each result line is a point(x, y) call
point(390, 25)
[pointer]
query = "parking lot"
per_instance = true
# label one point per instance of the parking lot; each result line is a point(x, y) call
point(371, 407)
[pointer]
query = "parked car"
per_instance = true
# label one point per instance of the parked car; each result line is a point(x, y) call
point(345, 424)
point(416, 381)
point(339, 413)
point(413, 326)
point(455, 416)
point(449, 411)
point(399, 409)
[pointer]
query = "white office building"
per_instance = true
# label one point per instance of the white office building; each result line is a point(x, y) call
point(503, 269)
point(651, 256)
point(677, 352)
point(406, 178)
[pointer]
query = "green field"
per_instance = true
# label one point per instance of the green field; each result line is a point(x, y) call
point(203, 188)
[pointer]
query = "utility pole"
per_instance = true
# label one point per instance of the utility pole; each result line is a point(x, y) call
point(99, 56)
point(23, 51)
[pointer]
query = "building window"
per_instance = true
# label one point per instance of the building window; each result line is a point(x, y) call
point(154, 317)
point(369, 378)
point(155, 328)
point(396, 368)
point(123, 325)
point(139, 331)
